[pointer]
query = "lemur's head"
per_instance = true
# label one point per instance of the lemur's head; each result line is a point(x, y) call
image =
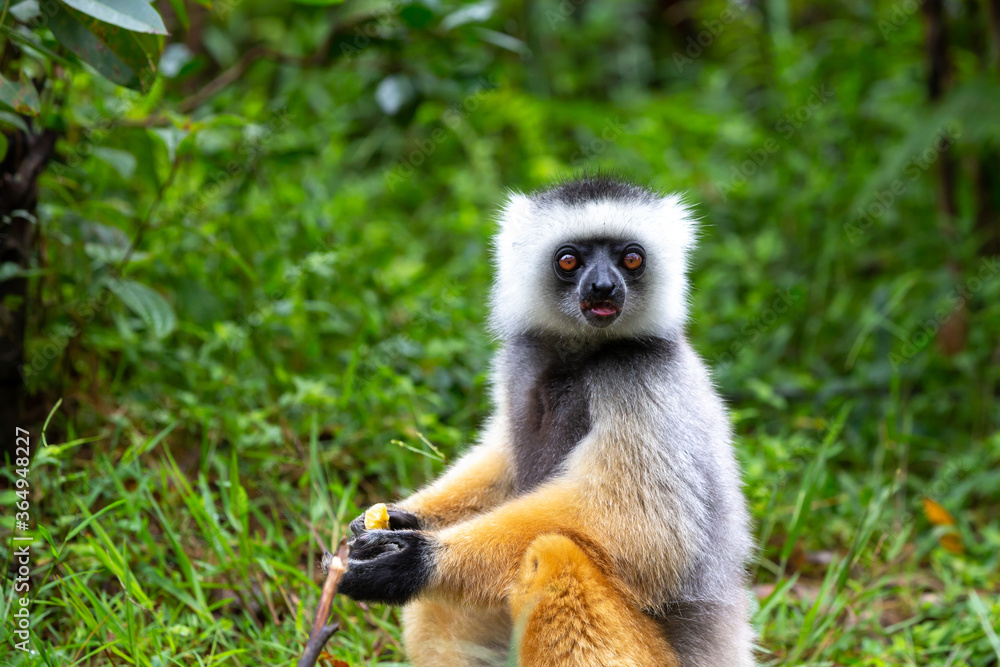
point(594, 258)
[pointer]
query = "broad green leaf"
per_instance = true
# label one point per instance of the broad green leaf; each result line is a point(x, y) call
point(319, 3)
point(124, 57)
point(3, 146)
point(145, 302)
point(171, 137)
point(477, 12)
point(121, 161)
point(20, 96)
point(32, 43)
point(13, 120)
point(111, 255)
point(26, 11)
point(135, 15)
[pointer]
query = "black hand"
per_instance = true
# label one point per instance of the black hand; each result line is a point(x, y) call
point(398, 520)
point(389, 566)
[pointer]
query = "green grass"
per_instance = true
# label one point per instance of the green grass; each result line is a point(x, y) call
point(148, 557)
point(306, 305)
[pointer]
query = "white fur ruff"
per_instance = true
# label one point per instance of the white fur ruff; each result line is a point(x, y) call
point(531, 231)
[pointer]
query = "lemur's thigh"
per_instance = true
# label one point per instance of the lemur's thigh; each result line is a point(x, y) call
point(573, 615)
point(437, 634)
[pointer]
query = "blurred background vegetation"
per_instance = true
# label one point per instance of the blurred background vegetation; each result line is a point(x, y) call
point(245, 263)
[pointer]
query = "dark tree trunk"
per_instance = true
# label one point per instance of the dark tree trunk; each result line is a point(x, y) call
point(988, 202)
point(939, 74)
point(27, 155)
point(988, 161)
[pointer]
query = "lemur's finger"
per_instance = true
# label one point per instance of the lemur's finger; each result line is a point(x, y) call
point(358, 526)
point(403, 520)
point(375, 543)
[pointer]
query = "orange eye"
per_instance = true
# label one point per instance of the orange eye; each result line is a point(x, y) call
point(568, 262)
point(632, 261)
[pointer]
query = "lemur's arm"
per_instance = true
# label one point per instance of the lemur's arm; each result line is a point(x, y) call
point(475, 560)
point(479, 481)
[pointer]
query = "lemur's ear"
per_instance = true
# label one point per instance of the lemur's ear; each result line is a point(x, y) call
point(678, 219)
point(514, 210)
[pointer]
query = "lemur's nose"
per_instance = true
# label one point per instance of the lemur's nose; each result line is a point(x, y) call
point(603, 289)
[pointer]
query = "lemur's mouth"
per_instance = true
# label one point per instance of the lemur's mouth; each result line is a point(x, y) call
point(604, 308)
point(600, 313)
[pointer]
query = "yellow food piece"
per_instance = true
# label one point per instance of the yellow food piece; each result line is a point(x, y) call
point(377, 517)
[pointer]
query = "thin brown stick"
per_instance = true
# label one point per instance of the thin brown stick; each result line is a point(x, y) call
point(321, 632)
point(189, 104)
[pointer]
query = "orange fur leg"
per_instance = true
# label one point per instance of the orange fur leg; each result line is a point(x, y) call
point(478, 559)
point(437, 634)
point(570, 614)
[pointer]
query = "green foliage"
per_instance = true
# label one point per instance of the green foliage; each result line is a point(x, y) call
point(109, 35)
point(268, 271)
point(132, 15)
point(19, 96)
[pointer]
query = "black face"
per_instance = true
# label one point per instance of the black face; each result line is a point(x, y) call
point(601, 273)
